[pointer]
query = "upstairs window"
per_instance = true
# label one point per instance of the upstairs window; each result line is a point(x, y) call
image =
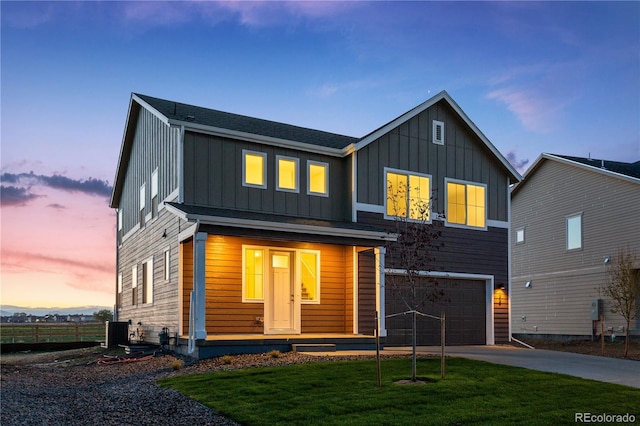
point(119, 295)
point(254, 169)
point(519, 235)
point(318, 178)
point(143, 197)
point(466, 204)
point(408, 195)
point(119, 236)
point(574, 232)
point(287, 174)
point(154, 194)
point(438, 132)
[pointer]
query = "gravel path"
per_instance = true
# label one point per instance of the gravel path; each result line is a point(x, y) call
point(69, 388)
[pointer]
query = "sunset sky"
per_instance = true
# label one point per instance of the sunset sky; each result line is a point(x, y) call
point(557, 77)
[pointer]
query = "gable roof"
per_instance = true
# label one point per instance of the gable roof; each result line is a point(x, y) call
point(189, 115)
point(227, 124)
point(620, 170)
point(442, 96)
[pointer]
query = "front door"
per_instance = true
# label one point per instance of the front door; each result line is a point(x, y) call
point(280, 301)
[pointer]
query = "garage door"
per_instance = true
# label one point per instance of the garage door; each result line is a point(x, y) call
point(463, 302)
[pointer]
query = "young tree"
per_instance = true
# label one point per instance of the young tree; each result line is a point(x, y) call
point(622, 288)
point(412, 253)
point(103, 315)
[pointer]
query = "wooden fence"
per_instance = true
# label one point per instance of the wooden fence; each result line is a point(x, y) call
point(45, 333)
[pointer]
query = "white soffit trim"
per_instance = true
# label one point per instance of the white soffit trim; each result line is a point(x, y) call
point(282, 227)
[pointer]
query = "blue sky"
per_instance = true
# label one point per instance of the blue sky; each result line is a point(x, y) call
point(559, 77)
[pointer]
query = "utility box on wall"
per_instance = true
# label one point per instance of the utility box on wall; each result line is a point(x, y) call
point(596, 309)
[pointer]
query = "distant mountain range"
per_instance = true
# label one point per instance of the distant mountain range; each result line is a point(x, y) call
point(9, 310)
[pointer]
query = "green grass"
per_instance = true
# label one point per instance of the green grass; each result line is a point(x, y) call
point(346, 393)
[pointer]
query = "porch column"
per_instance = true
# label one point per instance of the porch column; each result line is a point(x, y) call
point(379, 253)
point(199, 284)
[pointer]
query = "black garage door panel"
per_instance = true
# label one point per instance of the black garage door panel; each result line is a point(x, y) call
point(463, 304)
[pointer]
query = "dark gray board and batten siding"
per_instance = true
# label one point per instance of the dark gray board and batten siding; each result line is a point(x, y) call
point(155, 145)
point(213, 178)
point(409, 147)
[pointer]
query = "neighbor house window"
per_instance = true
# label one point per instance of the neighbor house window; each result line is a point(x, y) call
point(287, 174)
point(520, 236)
point(310, 276)
point(254, 169)
point(408, 195)
point(574, 232)
point(253, 277)
point(147, 281)
point(466, 204)
point(142, 204)
point(438, 132)
point(134, 285)
point(317, 178)
point(154, 193)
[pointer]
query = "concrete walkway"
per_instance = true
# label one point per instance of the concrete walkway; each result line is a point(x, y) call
point(611, 370)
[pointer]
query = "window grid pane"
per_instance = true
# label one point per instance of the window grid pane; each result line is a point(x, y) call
point(254, 274)
point(309, 276)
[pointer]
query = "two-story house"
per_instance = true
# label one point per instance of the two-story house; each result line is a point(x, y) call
point(570, 217)
point(239, 234)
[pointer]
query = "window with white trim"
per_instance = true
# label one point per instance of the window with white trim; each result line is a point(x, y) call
point(466, 204)
point(408, 195)
point(134, 285)
point(317, 178)
point(254, 169)
point(519, 235)
point(167, 264)
point(147, 282)
point(438, 132)
point(120, 215)
point(309, 262)
point(574, 231)
point(119, 295)
point(143, 197)
point(154, 193)
point(253, 274)
point(287, 174)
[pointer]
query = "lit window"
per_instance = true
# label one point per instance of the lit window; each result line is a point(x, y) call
point(147, 282)
point(574, 232)
point(408, 196)
point(466, 204)
point(520, 236)
point(318, 175)
point(254, 169)
point(253, 275)
point(287, 172)
point(310, 276)
point(134, 285)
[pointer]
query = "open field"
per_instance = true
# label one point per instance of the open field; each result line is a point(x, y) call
point(43, 332)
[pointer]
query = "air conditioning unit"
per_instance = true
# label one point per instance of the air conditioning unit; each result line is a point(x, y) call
point(116, 333)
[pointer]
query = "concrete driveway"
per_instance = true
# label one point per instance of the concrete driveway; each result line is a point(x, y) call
point(612, 370)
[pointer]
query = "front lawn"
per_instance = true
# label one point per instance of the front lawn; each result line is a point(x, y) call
point(346, 392)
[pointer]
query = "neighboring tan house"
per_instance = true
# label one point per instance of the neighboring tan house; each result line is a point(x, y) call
point(570, 216)
point(237, 234)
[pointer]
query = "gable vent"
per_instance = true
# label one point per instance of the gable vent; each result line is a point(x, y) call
point(438, 132)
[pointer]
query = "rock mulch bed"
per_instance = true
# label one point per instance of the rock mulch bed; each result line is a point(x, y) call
point(71, 388)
